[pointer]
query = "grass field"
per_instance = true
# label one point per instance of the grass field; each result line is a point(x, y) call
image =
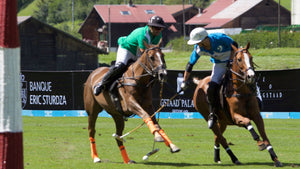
point(266, 59)
point(62, 143)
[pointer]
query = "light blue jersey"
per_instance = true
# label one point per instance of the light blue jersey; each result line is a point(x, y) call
point(220, 49)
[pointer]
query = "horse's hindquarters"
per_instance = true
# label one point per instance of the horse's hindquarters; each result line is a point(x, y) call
point(90, 103)
point(199, 98)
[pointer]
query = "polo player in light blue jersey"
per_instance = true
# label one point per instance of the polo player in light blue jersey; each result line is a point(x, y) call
point(218, 46)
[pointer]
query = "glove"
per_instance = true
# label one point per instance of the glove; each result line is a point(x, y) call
point(184, 85)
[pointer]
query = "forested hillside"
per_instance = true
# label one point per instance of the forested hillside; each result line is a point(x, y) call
point(58, 13)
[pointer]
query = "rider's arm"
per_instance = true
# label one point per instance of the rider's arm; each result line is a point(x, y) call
point(189, 67)
point(187, 71)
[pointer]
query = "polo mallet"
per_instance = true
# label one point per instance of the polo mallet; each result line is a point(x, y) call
point(155, 150)
point(150, 153)
point(120, 138)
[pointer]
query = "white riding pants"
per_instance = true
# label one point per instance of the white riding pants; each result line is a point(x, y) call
point(218, 70)
point(123, 56)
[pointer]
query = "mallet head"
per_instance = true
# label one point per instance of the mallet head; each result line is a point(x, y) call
point(150, 153)
point(118, 137)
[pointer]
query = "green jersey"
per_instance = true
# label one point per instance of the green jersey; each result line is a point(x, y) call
point(136, 37)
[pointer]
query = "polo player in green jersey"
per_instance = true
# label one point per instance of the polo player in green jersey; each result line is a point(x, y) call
point(130, 49)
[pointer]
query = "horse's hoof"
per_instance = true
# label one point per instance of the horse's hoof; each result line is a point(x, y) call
point(278, 164)
point(97, 160)
point(261, 146)
point(158, 137)
point(174, 149)
point(217, 160)
point(131, 162)
point(237, 162)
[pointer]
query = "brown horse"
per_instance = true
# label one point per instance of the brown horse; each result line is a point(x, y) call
point(239, 106)
point(135, 93)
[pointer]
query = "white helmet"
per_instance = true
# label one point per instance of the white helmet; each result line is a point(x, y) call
point(197, 35)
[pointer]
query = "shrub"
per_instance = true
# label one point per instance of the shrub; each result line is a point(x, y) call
point(258, 40)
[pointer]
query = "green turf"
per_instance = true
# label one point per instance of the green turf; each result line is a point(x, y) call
point(62, 143)
point(266, 59)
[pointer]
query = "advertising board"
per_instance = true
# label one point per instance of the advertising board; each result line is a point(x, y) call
point(279, 90)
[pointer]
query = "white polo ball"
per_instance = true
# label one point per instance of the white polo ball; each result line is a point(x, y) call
point(145, 158)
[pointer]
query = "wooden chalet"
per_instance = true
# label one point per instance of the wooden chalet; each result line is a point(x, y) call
point(122, 19)
point(245, 14)
point(45, 48)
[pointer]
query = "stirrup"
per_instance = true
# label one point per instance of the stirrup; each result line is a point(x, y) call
point(212, 118)
point(98, 89)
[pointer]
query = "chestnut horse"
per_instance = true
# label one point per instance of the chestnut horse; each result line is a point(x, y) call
point(239, 106)
point(135, 93)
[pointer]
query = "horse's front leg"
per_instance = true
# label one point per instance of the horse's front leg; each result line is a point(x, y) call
point(137, 109)
point(119, 122)
point(154, 130)
point(261, 145)
point(261, 128)
point(150, 110)
point(236, 109)
point(244, 121)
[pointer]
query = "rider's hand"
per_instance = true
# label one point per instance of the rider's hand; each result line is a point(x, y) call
point(184, 85)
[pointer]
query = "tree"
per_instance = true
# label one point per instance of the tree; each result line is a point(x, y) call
point(42, 10)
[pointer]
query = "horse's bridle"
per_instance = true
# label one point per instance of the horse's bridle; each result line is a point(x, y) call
point(153, 72)
point(240, 77)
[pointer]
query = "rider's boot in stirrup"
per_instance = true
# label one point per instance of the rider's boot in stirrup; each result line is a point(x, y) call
point(213, 100)
point(98, 88)
point(113, 74)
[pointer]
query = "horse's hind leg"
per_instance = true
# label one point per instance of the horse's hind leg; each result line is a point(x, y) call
point(219, 138)
point(92, 117)
point(217, 158)
point(92, 108)
point(119, 122)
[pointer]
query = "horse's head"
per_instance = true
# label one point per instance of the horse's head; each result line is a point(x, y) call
point(155, 61)
point(242, 64)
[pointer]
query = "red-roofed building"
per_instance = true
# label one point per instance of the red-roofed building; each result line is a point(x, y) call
point(243, 14)
point(123, 20)
point(177, 12)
